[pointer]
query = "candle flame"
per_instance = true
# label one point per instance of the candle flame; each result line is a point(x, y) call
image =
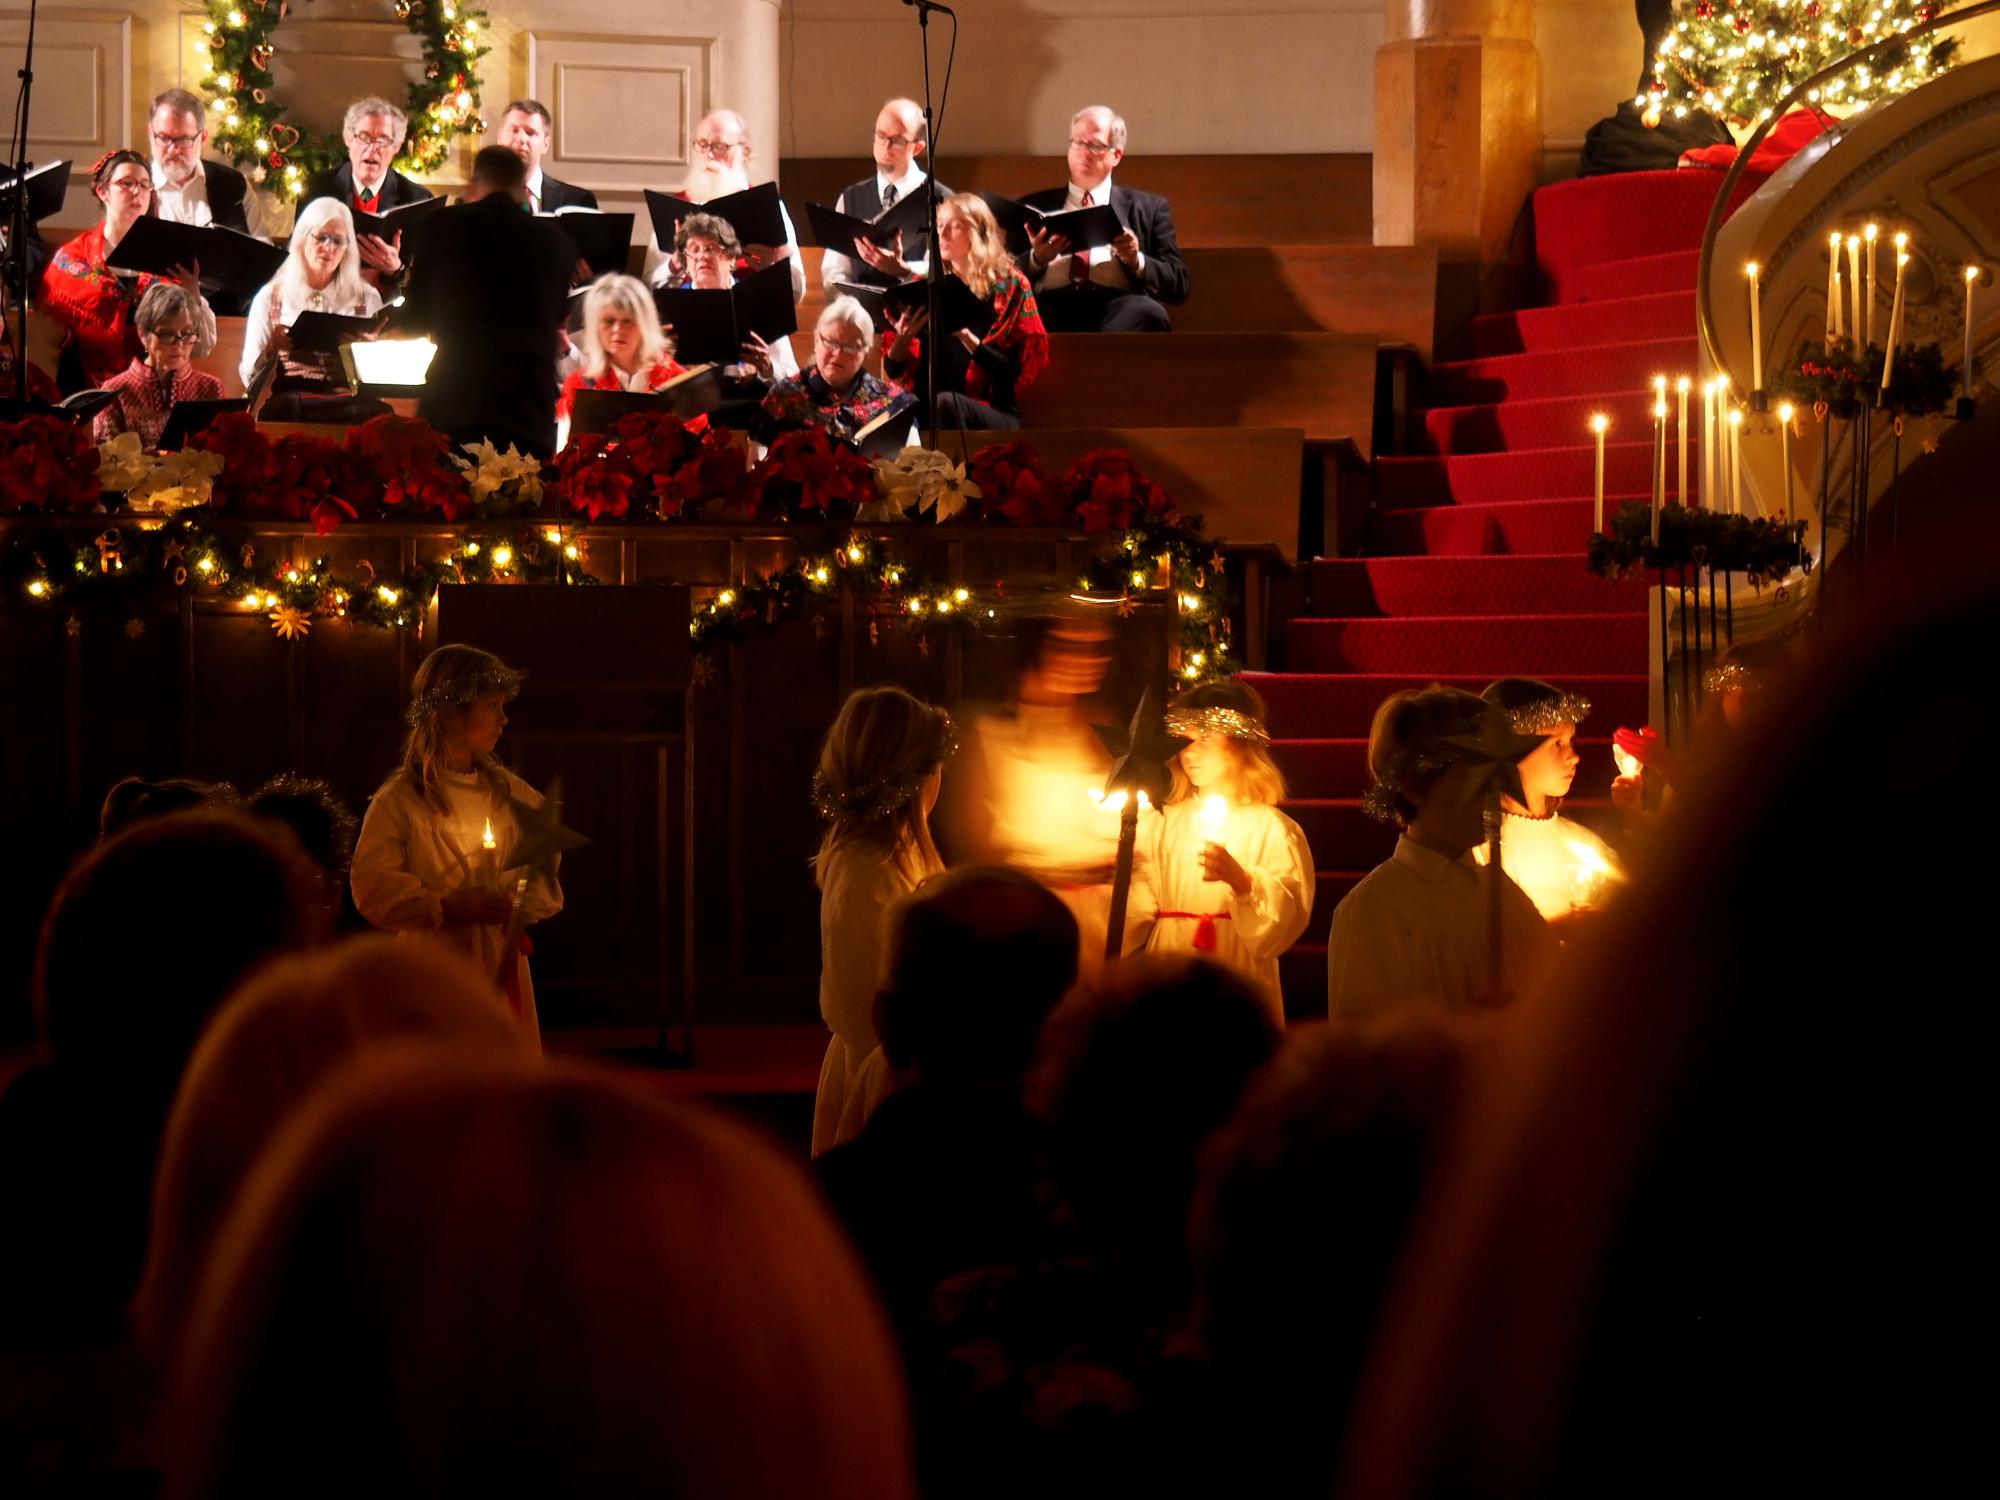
point(1833, 240)
point(1683, 385)
point(1599, 423)
point(1660, 411)
point(486, 839)
point(1116, 801)
point(1971, 274)
point(1869, 232)
point(1591, 870)
point(1735, 416)
point(1854, 242)
point(1902, 239)
point(1750, 270)
point(1213, 811)
point(1721, 384)
point(1627, 762)
point(1785, 410)
point(1660, 384)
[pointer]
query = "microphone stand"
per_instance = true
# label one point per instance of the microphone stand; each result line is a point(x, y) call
point(17, 246)
point(935, 257)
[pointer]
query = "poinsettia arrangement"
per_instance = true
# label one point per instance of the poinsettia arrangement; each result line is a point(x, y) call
point(650, 464)
point(806, 473)
point(46, 464)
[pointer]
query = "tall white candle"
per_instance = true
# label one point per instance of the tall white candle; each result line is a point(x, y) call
point(1708, 443)
point(1785, 410)
point(1833, 286)
point(1868, 234)
point(1854, 290)
point(1756, 332)
point(1895, 317)
point(1598, 423)
point(1659, 464)
point(1735, 461)
point(1971, 281)
point(1681, 433)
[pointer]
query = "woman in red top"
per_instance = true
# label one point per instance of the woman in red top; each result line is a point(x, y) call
point(152, 386)
point(624, 348)
point(978, 374)
point(95, 303)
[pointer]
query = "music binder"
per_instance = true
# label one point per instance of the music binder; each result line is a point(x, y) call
point(711, 327)
point(47, 187)
point(603, 241)
point(756, 214)
point(229, 259)
point(690, 394)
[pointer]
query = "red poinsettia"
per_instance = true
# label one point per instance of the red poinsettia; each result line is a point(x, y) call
point(412, 461)
point(314, 478)
point(1108, 491)
point(599, 489)
point(806, 470)
point(243, 486)
point(1014, 486)
point(714, 475)
point(47, 464)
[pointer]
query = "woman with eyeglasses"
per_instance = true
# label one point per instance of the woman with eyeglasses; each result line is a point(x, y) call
point(836, 394)
point(978, 370)
point(706, 253)
point(164, 376)
point(322, 274)
point(95, 303)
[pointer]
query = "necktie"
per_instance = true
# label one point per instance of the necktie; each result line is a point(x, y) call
point(889, 196)
point(365, 201)
point(1079, 262)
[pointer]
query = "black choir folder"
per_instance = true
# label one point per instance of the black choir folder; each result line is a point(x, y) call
point(228, 258)
point(711, 327)
point(688, 395)
point(958, 305)
point(190, 417)
point(755, 214)
point(387, 225)
point(1085, 228)
point(602, 241)
point(324, 332)
point(838, 231)
point(47, 187)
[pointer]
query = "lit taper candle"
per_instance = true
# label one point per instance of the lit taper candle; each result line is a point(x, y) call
point(1868, 235)
point(1681, 433)
point(1971, 281)
point(1599, 423)
point(1756, 331)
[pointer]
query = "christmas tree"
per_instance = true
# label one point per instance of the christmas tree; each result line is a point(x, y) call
point(1737, 59)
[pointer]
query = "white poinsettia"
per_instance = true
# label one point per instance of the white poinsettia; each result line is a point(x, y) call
point(927, 480)
point(490, 472)
point(122, 462)
point(177, 481)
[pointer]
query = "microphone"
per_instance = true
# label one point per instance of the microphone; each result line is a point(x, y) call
point(923, 5)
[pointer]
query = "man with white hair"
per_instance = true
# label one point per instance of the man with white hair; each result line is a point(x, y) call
point(901, 139)
point(374, 130)
point(722, 166)
point(1122, 287)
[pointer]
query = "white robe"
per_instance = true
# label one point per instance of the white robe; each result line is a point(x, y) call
point(1538, 856)
point(1251, 930)
point(410, 856)
point(1414, 932)
point(856, 891)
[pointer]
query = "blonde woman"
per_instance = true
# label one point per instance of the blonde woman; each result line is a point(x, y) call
point(879, 773)
point(979, 370)
point(422, 863)
point(623, 347)
point(323, 274)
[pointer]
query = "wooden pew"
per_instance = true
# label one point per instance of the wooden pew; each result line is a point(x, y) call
point(223, 359)
point(1321, 383)
point(1217, 200)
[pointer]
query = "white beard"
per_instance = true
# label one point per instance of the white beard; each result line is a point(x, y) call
point(712, 179)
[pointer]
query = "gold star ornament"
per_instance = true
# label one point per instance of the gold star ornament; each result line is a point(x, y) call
point(290, 624)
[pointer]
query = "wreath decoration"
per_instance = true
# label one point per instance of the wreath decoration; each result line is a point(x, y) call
point(246, 119)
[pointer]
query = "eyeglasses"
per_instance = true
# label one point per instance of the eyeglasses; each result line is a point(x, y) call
point(176, 140)
point(174, 335)
point(893, 142)
point(132, 184)
point(1093, 148)
point(381, 142)
point(331, 241)
point(837, 347)
point(716, 149)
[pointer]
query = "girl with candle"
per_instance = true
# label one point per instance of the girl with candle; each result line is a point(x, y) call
point(420, 865)
point(1232, 877)
point(1561, 864)
point(880, 770)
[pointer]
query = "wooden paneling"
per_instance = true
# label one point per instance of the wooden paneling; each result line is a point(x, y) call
point(82, 103)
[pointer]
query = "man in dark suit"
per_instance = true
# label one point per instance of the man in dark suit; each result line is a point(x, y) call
point(526, 130)
point(900, 141)
point(374, 131)
point(490, 288)
point(1117, 288)
point(189, 190)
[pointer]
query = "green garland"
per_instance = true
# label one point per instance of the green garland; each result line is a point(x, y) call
point(1847, 381)
point(246, 121)
point(1691, 537)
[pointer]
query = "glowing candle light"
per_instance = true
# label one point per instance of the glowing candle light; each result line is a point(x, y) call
point(1756, 331)
point(1659, 464)
point(1833, 286)
point(1588, 876)
point(1736, 460)
point(1854, 289)
point(1895, 314)
point(1708, 443)
point(1681, 434)
point(1971, 281)
point(1785, 413)
point(1868, 234)
point(1214, 810)
point(1599, 423)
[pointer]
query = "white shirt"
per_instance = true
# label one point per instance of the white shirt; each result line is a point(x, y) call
point(188, 204)
point(1250, 930)
point(1104, 267)
point(535, 190)
point(658, 273)
point(834, 266)
point(257, 326)
point(1414, 933)
point(858, 889)
point(1561, 865)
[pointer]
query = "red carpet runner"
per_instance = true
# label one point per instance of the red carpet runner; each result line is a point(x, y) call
point(1476, 567)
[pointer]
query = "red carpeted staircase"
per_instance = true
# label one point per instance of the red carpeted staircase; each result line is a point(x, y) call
point(1475, 565)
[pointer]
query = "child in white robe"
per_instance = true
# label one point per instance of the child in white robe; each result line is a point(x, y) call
point(1417, 931)
point(435, 855)
point(1231, 876)
point(879, 774)
point(1562, 865)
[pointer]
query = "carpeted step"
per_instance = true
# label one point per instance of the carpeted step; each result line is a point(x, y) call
point(1341, 705)
point(1538, 330)
point(1587, 220)
point(1638, 276)
point(1340, 835)
point(1476, 530)
point(1339, 767)
point(1526, 474)
point(1561, 372)
point(1559, 584)
point(1529, 645)
point(1554, 422)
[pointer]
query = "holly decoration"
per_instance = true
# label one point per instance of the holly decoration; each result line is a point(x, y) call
point(246, 119)
point(1738, 66)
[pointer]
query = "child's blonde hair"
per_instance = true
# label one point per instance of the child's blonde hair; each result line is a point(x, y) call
point(1407, 748)
point(451, 677)
point(882, 747)
point(1235, 710)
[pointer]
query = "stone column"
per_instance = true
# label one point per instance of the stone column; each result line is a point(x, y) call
point(1458, 125)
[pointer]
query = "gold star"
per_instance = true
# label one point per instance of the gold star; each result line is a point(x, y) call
point(702, 670)
point(543, 835)
point(73, 627)
point(173, 551)
point(135, 629)
point(1127, 606)
point(290, 624)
